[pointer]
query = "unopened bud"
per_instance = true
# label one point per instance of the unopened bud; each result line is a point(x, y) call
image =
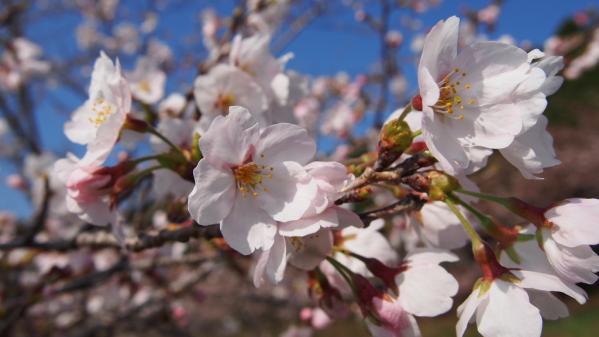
point(136, 125)
point(395, 137)
point(16, 181)
point(196, 153)
point(441, 184)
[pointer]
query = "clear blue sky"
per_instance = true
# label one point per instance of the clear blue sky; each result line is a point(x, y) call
point(324, 48)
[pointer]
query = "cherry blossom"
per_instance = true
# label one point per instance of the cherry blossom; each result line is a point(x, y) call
point(98, 122)
point(19, 62)
point(225, 86)
point(480, 96)
point(250, 178)
point(147, 81)
point(88, 190)
point(567, 240)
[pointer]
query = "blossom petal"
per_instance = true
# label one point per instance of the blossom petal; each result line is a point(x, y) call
point(467, 309)
point(284, 142)
point(425, 288)
point(212, 196)
point(248, 228)
point(508, 312)
point(229, 139)
point(288, 195)
point(577, 220)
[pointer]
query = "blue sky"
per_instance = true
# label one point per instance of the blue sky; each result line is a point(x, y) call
point(324, 48)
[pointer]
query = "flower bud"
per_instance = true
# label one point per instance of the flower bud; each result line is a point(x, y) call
point(16, 181)
point(395, 138)
point(440, 185)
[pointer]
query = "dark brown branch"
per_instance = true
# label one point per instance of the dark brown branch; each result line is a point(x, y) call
point(409, 203)
point(104, 239)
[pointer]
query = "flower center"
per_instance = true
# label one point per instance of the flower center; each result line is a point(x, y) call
point(102, 110)
point(144, 85)
point(297, 243)
point(450, 98)
point(223, 102)
point(249, 178)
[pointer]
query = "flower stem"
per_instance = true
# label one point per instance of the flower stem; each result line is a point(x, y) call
point(405, 112)
point(504, 234)
point(344, 272)
point(499, 200)
point(472, 234)
point(145, 158)
point(157, 133)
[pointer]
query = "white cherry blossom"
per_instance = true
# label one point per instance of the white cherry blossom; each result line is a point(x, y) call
point(225, 86)
point(480, 96)
point(98, 122)
point(250, 178)
point(568, 240)
point(147, 81)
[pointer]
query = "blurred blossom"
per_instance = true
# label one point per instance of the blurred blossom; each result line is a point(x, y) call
point(489, 14)
point(19, 62)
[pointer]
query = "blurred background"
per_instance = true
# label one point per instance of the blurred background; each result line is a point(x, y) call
point(336, 40)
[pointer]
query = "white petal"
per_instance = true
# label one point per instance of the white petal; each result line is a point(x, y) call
point(440, 47)
point(310, 225)
point(467, 309)
point(577, 220)
point(248, 227)
point(444, 146)
point(508, 313)
point(575, 264)
point(425, 288)
point(229, 139)
point(347, 218)
point(288, 194)
point(307, 252)
point(547, 282)
point(532, 151)
point(549, 306)
point(284, 142)
point(271, 264)
point(213, 195)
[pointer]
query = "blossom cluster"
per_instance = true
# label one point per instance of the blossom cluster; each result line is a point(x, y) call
point(234, 160)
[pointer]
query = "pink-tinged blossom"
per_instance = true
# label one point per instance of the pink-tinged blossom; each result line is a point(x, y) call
point(248, 179)
point(316, 317)
point(568, 239)
point(481, 96)
point(225, 86)
point(88, 187)
point(98, 122)
point(147, 81)
point(385, 316)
